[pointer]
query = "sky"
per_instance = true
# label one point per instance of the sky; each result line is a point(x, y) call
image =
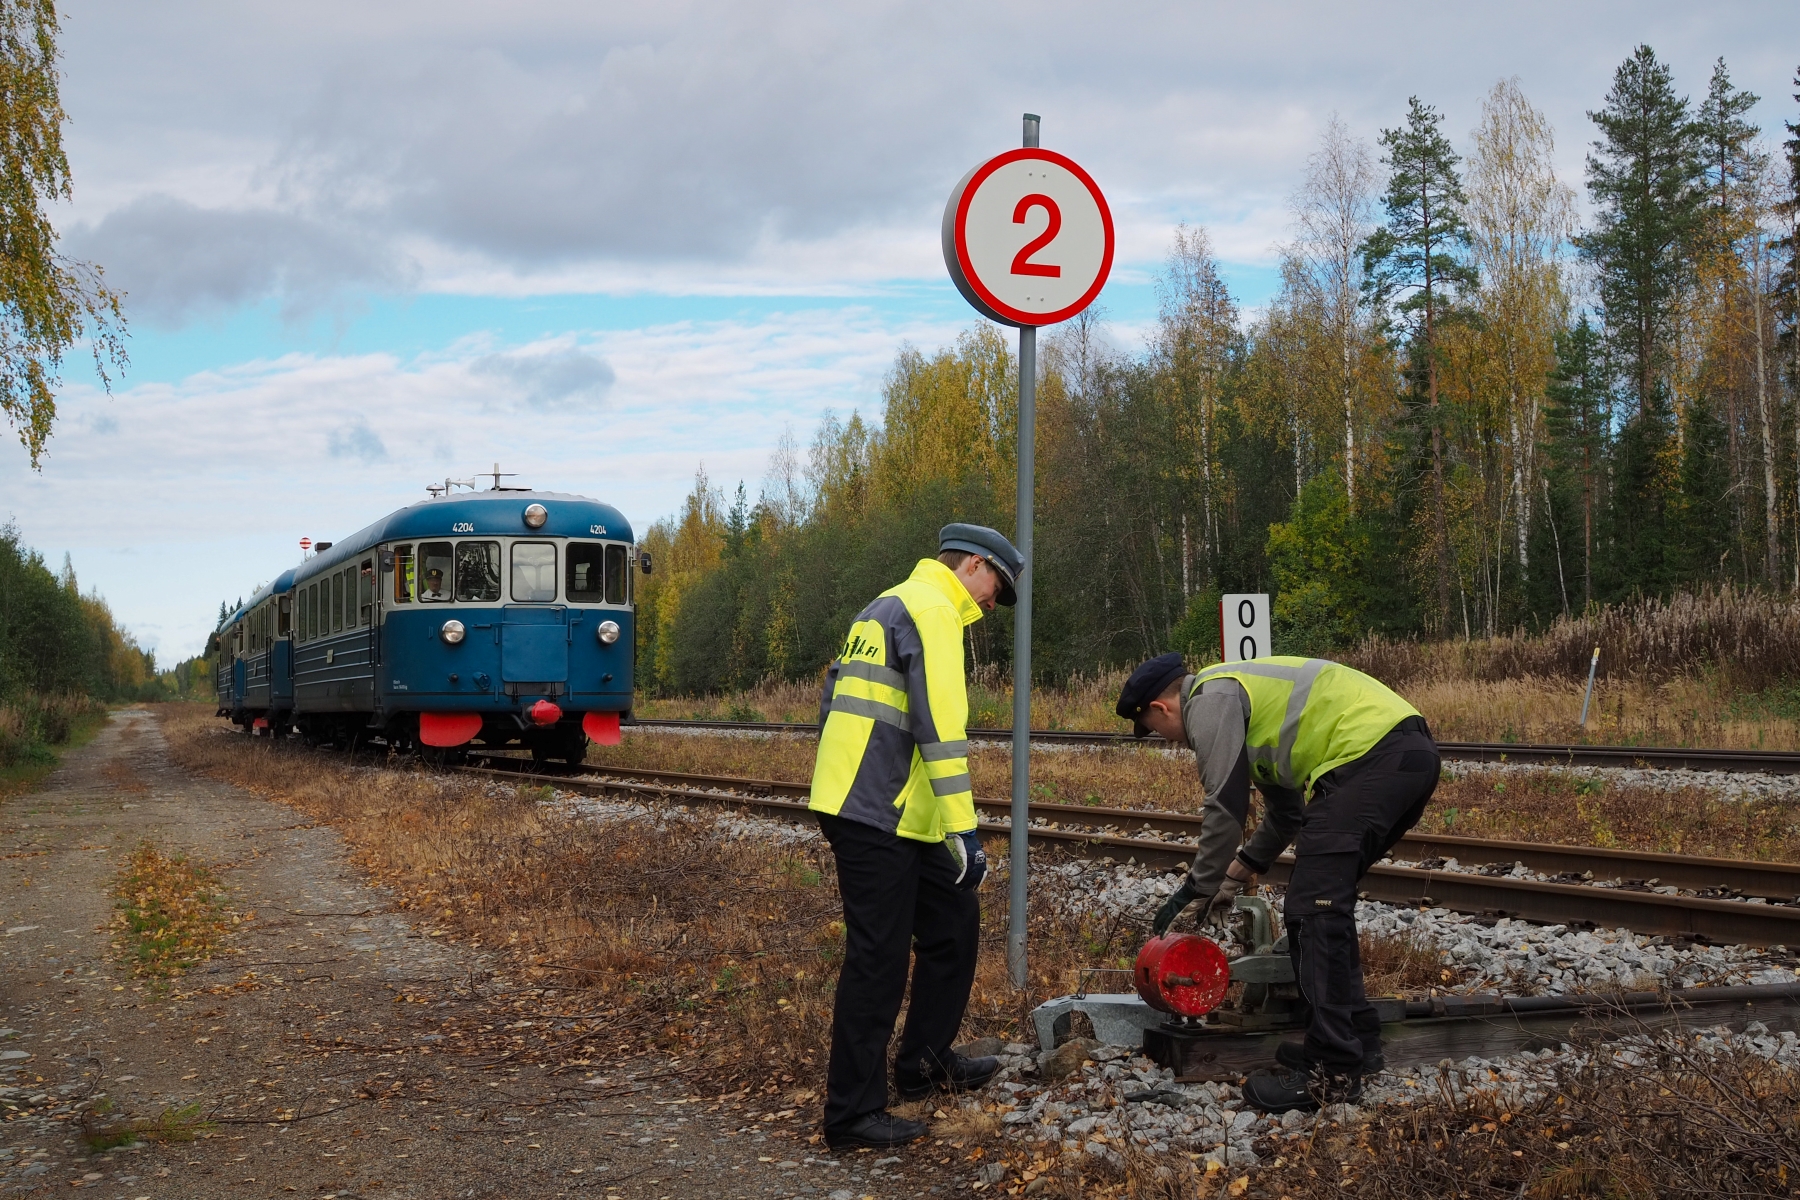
point(369, 246)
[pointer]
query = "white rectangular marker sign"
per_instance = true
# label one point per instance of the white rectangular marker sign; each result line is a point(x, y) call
point(1244, 626)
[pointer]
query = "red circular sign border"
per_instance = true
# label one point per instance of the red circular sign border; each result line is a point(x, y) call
point(962, 250)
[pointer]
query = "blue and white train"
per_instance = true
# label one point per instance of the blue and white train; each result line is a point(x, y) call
point(503, 618)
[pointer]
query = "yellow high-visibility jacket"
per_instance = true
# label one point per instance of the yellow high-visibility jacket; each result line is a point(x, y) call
point(893, 740)
point(1308, 716)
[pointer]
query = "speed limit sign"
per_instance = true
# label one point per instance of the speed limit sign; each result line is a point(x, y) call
point(1028, 237)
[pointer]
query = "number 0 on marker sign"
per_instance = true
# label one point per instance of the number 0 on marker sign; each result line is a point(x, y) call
point(1028, 238)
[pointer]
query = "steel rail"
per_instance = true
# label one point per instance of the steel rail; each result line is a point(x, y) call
point(1544, 902)
point(1769, 762)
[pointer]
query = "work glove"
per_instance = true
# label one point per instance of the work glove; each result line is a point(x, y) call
point(970, 859)
point(1218, 911)
point(1165, 916)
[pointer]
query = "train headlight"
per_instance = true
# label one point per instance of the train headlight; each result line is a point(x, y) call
point(536, 515)
point(452, 632)
point(608, 632)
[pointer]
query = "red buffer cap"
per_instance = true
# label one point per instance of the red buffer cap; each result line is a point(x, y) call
point(545, 713)
point(1182, 973)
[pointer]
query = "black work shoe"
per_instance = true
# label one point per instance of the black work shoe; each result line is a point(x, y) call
point(962, 1075)
point(1294, 1055)
point(879, 1130)
point(1276, 1092)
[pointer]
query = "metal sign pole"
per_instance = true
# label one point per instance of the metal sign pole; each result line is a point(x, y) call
point(1021, 753)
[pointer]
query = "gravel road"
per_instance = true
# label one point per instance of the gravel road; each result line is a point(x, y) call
point(321, 1047)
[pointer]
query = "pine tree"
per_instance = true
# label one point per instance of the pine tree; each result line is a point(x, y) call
point(1421, 252)
point(1646, 179)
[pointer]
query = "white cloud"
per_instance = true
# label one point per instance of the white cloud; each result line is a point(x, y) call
point(172, 495)
point(712, 147)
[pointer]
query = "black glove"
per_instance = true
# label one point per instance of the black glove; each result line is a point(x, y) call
point(1165, 916)
point(970, 859)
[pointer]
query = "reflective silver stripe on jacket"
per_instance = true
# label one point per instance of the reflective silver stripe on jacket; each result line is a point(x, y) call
point(950, 785)
point(941, 751)
point(873, 672)
point(875, 710)
point(1281, 755)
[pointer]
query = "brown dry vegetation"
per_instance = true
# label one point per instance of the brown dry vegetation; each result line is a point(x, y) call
point(1552, 806)
point(1548, 806)
point(1717, 668)
point(1687, 1122)
point(661, 936)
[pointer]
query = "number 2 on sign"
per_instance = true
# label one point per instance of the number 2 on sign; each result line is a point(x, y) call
point(1021, 263)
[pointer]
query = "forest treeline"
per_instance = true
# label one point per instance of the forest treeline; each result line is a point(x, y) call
point(62, 655)
point(1463, 414)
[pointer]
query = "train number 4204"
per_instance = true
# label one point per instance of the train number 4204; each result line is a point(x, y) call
point(463, 527)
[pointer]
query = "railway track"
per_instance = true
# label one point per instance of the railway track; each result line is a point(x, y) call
point(1769, 914)
point(1768, 762)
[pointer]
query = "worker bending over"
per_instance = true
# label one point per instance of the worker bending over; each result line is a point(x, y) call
point(892, 793)
point(1345, 767)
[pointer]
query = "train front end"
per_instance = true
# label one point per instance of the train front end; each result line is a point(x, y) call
point(506, 620)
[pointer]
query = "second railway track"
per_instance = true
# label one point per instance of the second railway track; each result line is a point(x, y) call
point(1769, 916)
point(1768, 762)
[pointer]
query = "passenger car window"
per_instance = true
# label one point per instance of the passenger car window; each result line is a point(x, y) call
point(434, 571)
point(534, 572)
point(287, 619)
point(478, 571)
point(585, 573)
point(365, 592)
point(618, 572)
point(337, 601)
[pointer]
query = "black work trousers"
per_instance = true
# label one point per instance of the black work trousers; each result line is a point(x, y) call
point(900, 900)
point(1357, 813)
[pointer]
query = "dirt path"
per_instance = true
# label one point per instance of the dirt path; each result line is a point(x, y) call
point(315, 1049)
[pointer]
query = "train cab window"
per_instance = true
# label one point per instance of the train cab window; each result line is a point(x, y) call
point(365, 592)
point(586, 573)
point(434, 571)
point(534, 572)
point(618, 574)
point(286, 626)
point(478, 571)
point(403, 574)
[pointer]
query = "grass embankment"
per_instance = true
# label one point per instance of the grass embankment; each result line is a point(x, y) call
point(35, 729)
point(1547, 806)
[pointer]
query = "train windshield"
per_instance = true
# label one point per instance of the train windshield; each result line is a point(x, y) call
point(534, 572)
point(584, 584)
point(478, 571)
point(434, 571)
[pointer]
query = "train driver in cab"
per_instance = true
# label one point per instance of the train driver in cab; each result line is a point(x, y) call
point(434, 586)
point(1345, 767)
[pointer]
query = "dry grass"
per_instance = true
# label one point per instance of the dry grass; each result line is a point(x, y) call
point(1404, 964)
point(660, 936)
point(1553, 806)
point(1124, 777)
point(1717, 668)
point(169, 914)
point(1694, 1119)
point(1548, 806)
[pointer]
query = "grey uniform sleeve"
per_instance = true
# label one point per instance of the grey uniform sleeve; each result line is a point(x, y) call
point(1283, 811)
point(1215, 721)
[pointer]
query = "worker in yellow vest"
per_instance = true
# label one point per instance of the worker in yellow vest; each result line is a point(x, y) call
point(892, 794)
point(1345, 767)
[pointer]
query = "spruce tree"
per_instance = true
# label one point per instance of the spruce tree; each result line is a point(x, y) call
point(1646, 179)
point(1419, 255)
point(1577, 416)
